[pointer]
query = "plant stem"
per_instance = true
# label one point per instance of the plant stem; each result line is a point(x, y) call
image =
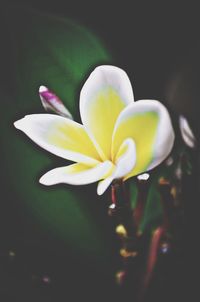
point(123, 210)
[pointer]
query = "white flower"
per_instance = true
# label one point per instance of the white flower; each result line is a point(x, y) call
point(119, 138)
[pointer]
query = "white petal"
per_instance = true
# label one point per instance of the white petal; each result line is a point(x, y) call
point(102, 77)
point(76, 174)
point(165, 136)
point(60, 136)
point(103, 185)
point(104, 95)
point(125, 162)
point(186, 132)
point(144, 176)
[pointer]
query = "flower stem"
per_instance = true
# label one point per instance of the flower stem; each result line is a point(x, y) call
point(123, 210)
point(158, 234)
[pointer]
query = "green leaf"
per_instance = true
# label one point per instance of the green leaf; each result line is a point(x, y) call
point(59, 54)
point(153, 212)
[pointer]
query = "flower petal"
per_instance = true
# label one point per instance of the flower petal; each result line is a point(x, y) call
point(125, 161)
point(52, 103)
point(76, 174)
point(148, 123)
point(60, 136)
point(104, 184)
point(104, 95)
point(186, 132)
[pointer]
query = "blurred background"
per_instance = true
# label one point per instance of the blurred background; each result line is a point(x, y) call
point(58, 244)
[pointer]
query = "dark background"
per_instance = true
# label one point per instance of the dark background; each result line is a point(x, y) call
point(159, 47)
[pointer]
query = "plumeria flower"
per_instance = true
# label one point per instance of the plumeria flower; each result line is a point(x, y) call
point(119, 138)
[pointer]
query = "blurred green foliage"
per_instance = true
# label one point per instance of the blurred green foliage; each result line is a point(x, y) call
point(57, 53)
